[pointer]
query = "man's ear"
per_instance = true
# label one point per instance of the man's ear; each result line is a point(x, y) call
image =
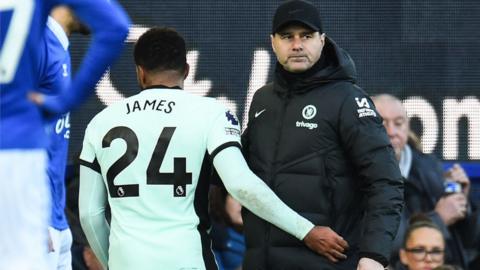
point(140, 76)
point(187, 70)
point(272, 36)
point(322, 38)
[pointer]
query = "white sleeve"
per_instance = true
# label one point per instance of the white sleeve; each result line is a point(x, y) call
point(88, 149)
point(224, 131)
point(91, 204)
point(255, 195)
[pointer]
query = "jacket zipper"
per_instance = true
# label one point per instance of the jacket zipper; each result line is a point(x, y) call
point(274, 166)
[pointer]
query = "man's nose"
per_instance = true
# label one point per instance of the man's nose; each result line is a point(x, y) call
point(297, 43)
point(391, 130)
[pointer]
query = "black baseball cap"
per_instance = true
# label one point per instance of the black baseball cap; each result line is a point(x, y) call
point(296, 11)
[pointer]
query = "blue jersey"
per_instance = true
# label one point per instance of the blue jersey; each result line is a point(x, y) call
point(22, 26)
point(54, 76)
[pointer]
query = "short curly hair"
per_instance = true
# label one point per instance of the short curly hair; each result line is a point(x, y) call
point(161, 49)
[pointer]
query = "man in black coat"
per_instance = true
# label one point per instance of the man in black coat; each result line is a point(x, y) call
point(425, 192)
point(316, 139)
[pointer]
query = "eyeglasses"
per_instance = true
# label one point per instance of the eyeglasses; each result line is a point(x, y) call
point(420, 254)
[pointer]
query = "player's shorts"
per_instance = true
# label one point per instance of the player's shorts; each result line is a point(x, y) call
point(61, 257)
point(24, 209)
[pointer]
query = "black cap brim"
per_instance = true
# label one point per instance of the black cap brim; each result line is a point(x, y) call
point(296, 21)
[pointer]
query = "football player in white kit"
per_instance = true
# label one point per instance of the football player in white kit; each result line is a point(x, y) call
point(151, 153)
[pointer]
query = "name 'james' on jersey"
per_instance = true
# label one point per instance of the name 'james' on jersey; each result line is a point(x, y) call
point(150, 149)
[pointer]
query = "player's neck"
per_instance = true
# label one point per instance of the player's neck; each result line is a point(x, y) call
point(167, 79)
point(165, 84)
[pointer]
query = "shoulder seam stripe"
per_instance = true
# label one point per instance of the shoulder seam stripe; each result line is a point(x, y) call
point(223, 146)
point(92, 165)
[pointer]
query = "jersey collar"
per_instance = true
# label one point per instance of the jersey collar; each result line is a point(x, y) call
point(162, 86)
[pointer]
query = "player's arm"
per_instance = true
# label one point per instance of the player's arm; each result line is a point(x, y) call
point(92, 199)
point(91, 204)
point(109, 24)
point(255, 195)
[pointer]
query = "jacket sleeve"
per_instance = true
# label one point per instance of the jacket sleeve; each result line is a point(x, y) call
point(367, 146)
point(469, 227)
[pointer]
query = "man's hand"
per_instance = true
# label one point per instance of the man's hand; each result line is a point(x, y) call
point(36, 98)
point(50, 243)
point(452, 208)
point(234, 211)
point(369, 264)
point(91, 260)
point(326, 242)
point(458, 174)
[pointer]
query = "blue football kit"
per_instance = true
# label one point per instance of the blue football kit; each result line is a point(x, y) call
point(55, 70)
point(24, 198)
point(22, 25)
point(56, 66)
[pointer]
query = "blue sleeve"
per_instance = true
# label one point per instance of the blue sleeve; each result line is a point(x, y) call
point(109, 25)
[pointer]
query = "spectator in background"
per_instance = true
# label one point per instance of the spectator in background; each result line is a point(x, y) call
point(315, 138)
point(423, 246)
point(228, 242)
point(457, 217)
point(55, 75)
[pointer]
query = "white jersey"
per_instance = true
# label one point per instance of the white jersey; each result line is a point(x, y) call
point(149, 149)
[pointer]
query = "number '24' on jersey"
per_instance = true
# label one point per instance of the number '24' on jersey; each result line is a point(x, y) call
point(149, 149)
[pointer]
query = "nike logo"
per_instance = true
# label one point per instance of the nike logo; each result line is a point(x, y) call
point(257, 114)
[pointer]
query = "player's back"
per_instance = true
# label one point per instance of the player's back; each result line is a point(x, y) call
point(22, 24)
point(150, 148)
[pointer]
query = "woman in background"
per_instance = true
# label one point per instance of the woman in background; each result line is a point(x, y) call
point(423, 246)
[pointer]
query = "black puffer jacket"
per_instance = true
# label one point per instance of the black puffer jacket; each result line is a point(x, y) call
point(317, 141)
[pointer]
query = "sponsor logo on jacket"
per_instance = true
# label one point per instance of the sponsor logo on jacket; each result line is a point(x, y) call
point(308, 113)
point(364, 108)
point(307, 125)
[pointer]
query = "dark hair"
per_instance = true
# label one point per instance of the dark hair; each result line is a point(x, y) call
point(418, 221)
point(160, 49)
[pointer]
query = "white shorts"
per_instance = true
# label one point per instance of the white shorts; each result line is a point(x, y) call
point(61, 257)
point(24, 209)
